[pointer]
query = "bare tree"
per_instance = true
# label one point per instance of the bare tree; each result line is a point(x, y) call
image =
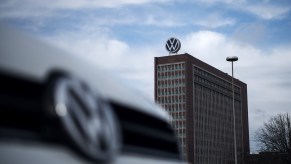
point(275, 135)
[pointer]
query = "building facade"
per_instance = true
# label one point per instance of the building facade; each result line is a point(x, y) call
point(199, 99)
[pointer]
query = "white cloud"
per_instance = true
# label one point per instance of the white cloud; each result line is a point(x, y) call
point(75, 4)
point(42, 12)
point(92, 46)
point(264, 10)
point(46, 8)
point(215, 21)
point(163, 21)
point(222, 1)
point(268, 11)
point(250, 33)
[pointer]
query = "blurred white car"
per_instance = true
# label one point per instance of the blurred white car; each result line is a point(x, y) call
point(56, 108)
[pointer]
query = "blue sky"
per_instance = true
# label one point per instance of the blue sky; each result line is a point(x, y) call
point(131, 33)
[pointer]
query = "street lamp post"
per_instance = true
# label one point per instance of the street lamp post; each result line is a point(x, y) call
point(233, 59)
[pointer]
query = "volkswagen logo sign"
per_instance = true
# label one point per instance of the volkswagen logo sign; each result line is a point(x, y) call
point(173, 45)
point(86, 118)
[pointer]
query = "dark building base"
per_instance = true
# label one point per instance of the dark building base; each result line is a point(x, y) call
point(268, 158)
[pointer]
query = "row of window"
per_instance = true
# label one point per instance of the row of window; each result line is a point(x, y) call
point(214, 86)
point(216, 108)
point(176, 98)
point(171, 73)
point(170, 81)
point(216, 113)
point(175, 121)
point(171, 91)
point(178, 125)
point(212, 93)
point(173, 106)
point(181, 135)
point(216, 132)
point(212, 78)
point(171, 85)
point(182, 140)
point(163, 94)
point(215, 157)
point(167, 101)
point(170, 77)
point(171, 67)
point(180, 131)
point(174, 110)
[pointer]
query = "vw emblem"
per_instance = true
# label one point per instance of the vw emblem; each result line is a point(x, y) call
point(173, 45)
point(86, 118)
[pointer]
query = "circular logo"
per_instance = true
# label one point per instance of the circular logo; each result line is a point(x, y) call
point(87, 119)
point(173, 45)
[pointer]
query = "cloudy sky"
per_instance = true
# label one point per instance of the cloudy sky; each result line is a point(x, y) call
point(130, 33)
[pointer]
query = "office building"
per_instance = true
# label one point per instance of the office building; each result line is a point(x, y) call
point(199, 99)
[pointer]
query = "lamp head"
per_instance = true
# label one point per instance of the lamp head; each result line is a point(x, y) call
point(232, 58)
